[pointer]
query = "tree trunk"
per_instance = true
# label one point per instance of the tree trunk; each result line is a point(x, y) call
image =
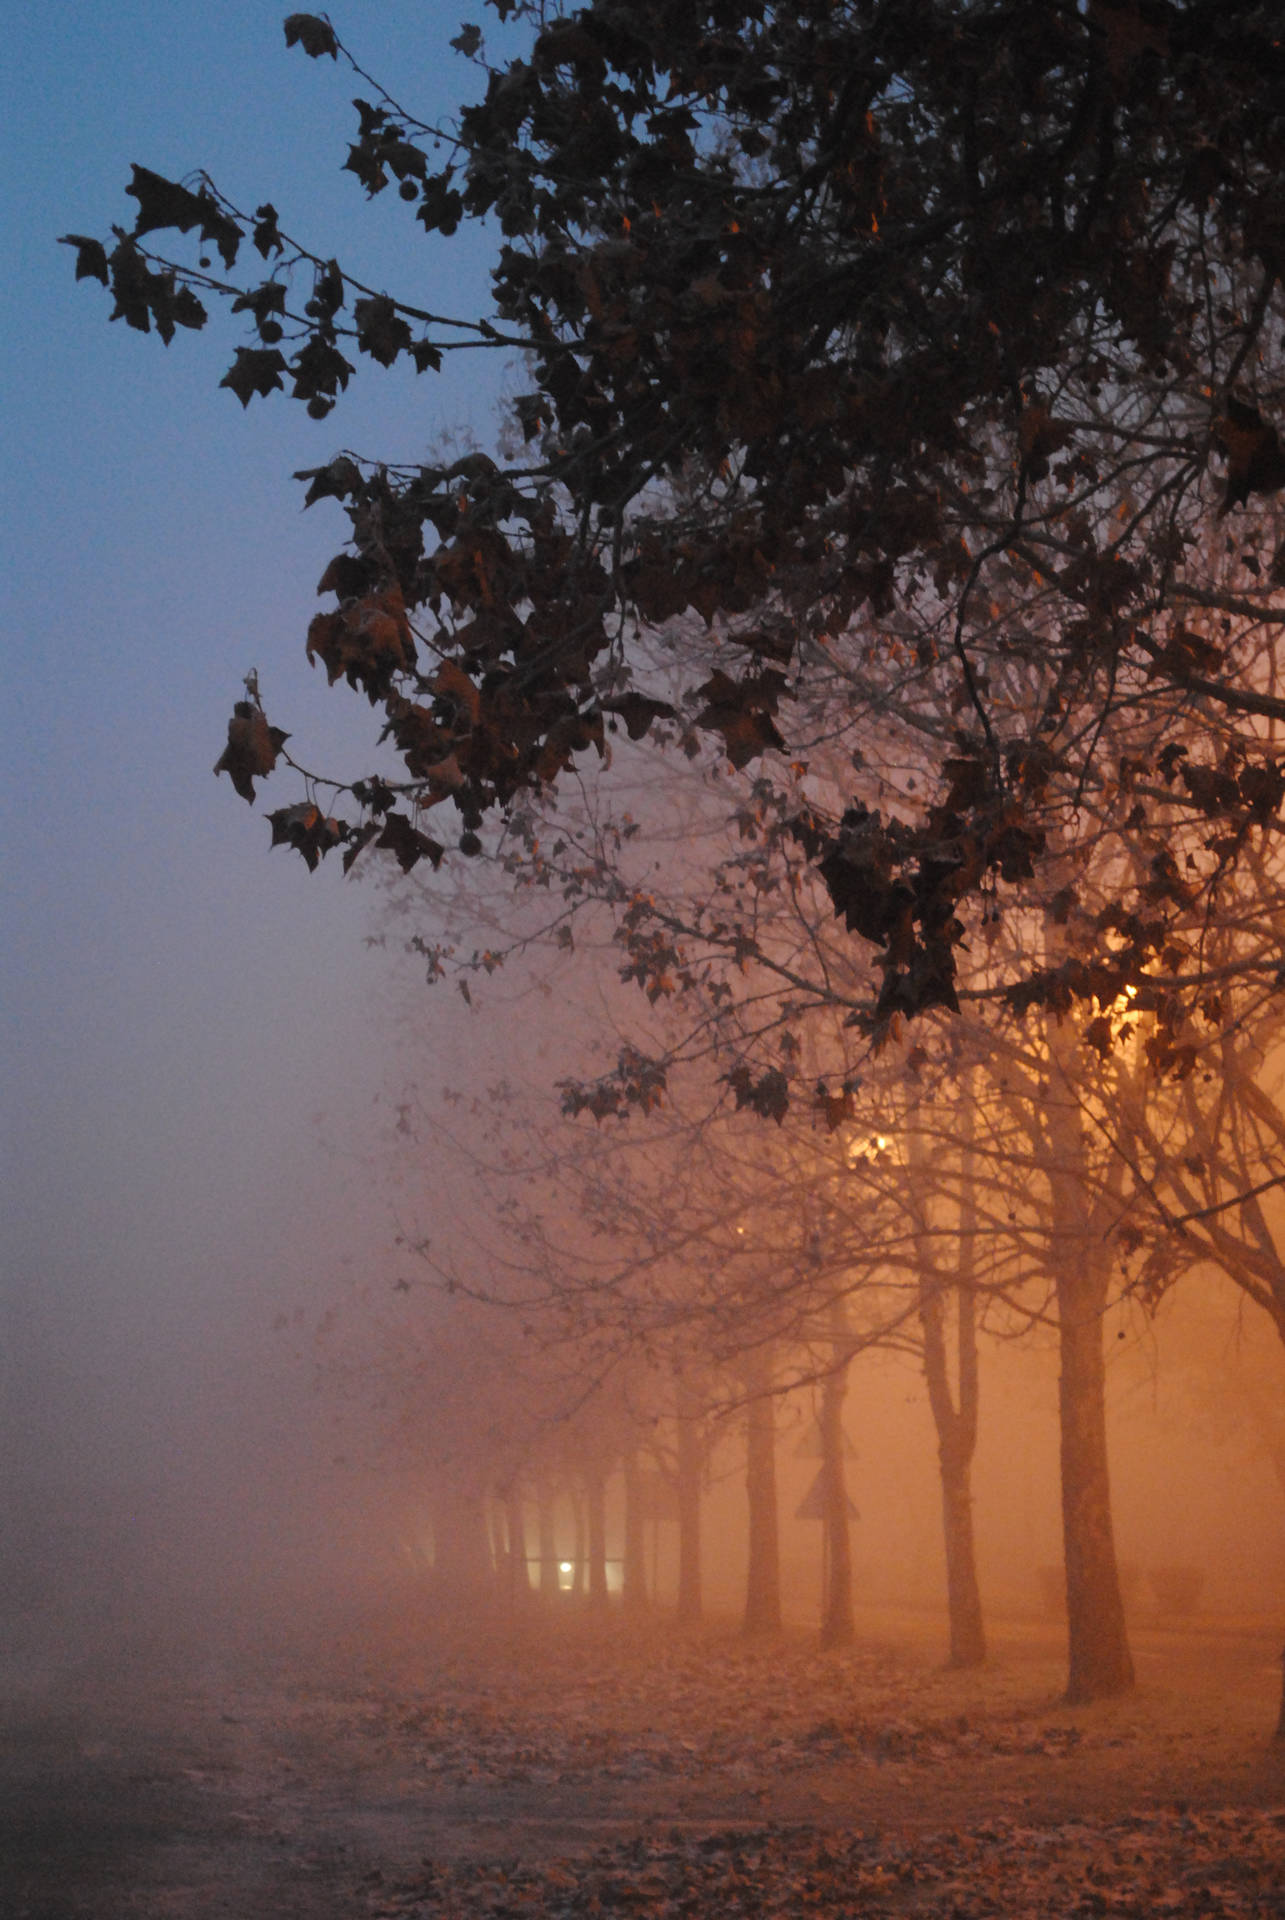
point(838, 1628)
point(546, 1522)
point(1100, 1662)
point(967, 1632)
point(634, 1573)
point(497, 1533)
point(956, 1424)
point(690, 1467)
point(518, 1584)
point(596, 1500)
point(956, 1438)
point(577, 1544)
point(763, 1574)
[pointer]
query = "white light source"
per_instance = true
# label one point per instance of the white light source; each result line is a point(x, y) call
point(867, 1148)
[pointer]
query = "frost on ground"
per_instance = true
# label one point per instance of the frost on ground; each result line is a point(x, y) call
point(399, 1770)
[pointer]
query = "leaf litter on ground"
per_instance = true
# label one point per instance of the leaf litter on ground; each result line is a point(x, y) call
point(1224, 1866)
point(697, 1709)
point(585, 1717)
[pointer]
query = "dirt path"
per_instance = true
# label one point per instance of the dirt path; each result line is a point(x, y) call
point(378, 1772)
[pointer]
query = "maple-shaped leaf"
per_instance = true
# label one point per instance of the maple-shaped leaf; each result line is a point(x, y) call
point(349, 575)
point(1214, 789)
point(564, 739)
point(638, 711)
point(1262, 789)
point(442, 206)
point(534, 414)
point(1013, 848)
point(1255, 461)
point(367, 640)
point(132, 287)
point(143, 296)
point(265, 236)
point(381, 331)
point(165, 203)
point(1100, 1035)
point(373, 793)
point(366, 161)
point(741, 711)
point(264, 302)
point(467, 40)
point(925, 981)
point(1168, 760)
point(768, 1096)
point(337, 480)
point(407, 844)
point(252, 748)
point(1170, 1059)
point(859, 868)
point(91, 256)
point(1164, 881)
point(255, 370)
point(405, 159)
point(327, 291)
point(319, 369)
point(186, 310)
point(452, 684)
point(1039, 435)
point(313, 32)
point(305, 828)
point(1187, 651)
point(638, 1082)
point(834, 1108)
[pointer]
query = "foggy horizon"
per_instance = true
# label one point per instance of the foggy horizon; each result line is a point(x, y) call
point(407, 1461)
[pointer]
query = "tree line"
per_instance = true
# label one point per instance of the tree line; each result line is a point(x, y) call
point(892, 502)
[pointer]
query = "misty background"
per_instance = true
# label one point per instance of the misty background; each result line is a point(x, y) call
point(200, 1046)
point(189, 1019)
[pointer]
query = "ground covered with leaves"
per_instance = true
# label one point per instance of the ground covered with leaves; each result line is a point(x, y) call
point(398, 1769)
point(1142, 1865)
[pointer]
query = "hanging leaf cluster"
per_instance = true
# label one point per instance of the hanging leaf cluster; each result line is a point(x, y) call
point(903, 350)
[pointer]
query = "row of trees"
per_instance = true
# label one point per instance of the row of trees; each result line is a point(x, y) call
point(1101, 1146)
point(615, 1351)
point(995, 1174)
point(863, 523)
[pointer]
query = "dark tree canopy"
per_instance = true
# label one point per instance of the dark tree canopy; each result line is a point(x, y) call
point(925, 351)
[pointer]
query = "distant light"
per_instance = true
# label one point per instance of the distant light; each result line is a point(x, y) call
point(867, 1148)
point(565, 1566)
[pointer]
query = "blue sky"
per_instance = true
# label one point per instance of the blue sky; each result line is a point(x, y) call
point(180, 1004)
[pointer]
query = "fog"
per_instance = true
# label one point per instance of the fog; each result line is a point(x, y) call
point(190, 1046)
point(205, 1440)
point(198, 1039)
